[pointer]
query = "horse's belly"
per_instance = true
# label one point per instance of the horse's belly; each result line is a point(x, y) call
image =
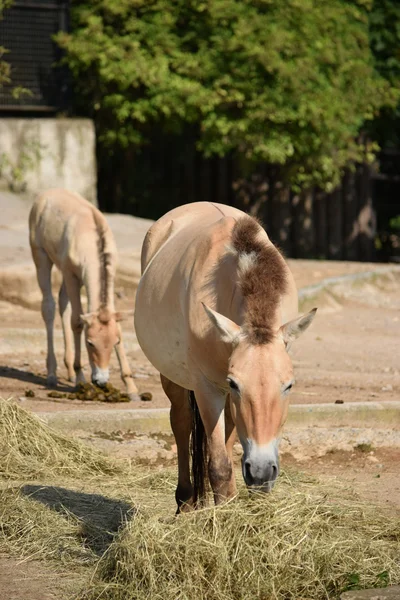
point(160, 331)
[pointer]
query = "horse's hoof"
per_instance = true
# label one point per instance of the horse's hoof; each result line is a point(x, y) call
point(133, 397)
point(51, 381)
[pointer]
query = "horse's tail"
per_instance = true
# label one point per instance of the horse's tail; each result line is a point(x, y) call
point(198, 450)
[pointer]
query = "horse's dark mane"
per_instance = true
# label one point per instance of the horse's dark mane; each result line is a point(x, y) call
point(262, 278)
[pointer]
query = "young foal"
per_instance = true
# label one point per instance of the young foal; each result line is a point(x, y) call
point(68, 231)
point(216, 311)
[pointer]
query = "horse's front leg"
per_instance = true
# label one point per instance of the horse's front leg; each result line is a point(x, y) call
point(126, 373)
point(211, 403)
point(230, 435)
point(73, 289)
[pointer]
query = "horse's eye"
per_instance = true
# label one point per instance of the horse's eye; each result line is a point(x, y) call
point(288, 388)
point(233, 384)
point(89, 343)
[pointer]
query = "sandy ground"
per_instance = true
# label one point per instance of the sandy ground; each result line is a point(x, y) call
point(33, 580)
point(350, 354)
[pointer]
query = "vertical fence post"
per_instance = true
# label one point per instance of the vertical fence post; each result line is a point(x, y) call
point(320, 224)
point(303, 239)
point(350, 202)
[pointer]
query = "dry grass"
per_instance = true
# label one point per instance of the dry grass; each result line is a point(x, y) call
point(30, 449)
point(301, 542)
point(32, 530)
point(305, 541)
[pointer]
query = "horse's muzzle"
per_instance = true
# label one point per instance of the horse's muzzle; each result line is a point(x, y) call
point(262, 476)
point(100, 376)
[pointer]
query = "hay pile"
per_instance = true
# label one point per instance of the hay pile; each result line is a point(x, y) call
point(304, 541)
point(297, 543)
point(68, 524)
point(30, 449)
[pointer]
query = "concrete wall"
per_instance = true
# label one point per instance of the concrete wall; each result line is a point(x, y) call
point(67, 155)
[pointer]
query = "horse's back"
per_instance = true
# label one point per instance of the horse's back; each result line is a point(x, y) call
point(179, 253)
point(187, 216)
point(60, 221)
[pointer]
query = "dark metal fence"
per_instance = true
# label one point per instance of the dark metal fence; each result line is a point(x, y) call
point(26, 31)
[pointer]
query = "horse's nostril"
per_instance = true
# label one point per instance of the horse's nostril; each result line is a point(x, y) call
point(247, 471)
point(274, 472)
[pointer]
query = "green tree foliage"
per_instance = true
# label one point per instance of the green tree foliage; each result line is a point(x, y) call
point(289, 82)
point(384, 25)
point(4, 66)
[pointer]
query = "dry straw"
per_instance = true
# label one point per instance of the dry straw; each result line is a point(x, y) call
point(29, 448)
point(304, 541)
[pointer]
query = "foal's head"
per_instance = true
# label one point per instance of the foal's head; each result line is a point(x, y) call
point(102, 334)
point(259, 379)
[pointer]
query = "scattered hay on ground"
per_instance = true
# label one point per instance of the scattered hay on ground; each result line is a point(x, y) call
point(304, 541)
point(32, 530)
point(30, 449)
point(298, 543)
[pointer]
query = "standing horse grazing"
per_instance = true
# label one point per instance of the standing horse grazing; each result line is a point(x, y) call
point(68, 231)
point(216, 311)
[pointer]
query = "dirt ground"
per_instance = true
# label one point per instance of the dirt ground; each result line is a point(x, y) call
point(349, 354)
point(373, 474)
point(33, 580)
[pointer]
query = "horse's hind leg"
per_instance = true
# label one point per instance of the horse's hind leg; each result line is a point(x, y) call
point(65, 314)
point(181, 420)
point(43, 271)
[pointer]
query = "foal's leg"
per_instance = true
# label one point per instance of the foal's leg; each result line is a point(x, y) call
point(126, 373)
point(211, 405)
point(43, 271)
point(65, 314)
point(181, 421)
point(73, 288)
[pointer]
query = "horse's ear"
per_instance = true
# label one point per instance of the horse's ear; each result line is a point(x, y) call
point(87, 318)
point(227, 329)
point(122, 315)
point(292, 329)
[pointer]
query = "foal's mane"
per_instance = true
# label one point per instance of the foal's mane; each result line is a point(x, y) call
point(106, 258)
point(262, 278)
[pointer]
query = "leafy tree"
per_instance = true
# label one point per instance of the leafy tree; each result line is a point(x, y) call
point(384, 28)
point(289, 82)
point(4, 66)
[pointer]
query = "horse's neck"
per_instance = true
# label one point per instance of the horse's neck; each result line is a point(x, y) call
point(98, 283)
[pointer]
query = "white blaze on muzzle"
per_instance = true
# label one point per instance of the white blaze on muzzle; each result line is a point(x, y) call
point(100, 376)
point(260, 464)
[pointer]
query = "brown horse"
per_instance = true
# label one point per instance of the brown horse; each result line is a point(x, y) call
point(216, 311)
point(68, 231)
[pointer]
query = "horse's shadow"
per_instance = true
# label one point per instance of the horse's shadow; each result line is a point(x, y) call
point(100, 517)
point(28, 377)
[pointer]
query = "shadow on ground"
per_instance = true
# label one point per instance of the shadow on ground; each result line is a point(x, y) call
point(100, 517)
point(28, 377)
